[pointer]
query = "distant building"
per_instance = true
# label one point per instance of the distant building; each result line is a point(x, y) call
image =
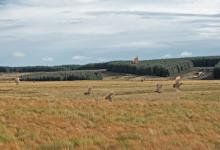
point(135, 61)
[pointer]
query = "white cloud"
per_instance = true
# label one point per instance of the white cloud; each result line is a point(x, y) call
point(101, 60)
point(80, 58)
point(167, 56)
point(108, 27)
point(186, 54)
point(139, 44)
point(18, 54)
point(87, 1)
point(48, 59)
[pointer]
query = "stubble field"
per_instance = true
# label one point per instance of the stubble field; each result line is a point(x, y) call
point(57, 115)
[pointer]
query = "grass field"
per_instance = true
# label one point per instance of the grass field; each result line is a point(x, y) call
point(57, 115)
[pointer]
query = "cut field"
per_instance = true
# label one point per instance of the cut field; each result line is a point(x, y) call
point(57, 116)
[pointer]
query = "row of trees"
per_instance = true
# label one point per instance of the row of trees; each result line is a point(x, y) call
point(217, 71)
point(160, 67)
point(62, 76)
point(94, 66)
point(163, 68)
point(39, 68)
point(205, 61)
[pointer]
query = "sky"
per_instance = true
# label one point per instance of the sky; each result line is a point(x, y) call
point(56, 32)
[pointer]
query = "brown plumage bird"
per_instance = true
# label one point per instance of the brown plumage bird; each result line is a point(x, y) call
point(17, 81)
point(89, 92)
point(177, 83)
point(109, 97)
point(158, 88)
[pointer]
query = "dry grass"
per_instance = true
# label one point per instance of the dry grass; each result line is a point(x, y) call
point(57, 115)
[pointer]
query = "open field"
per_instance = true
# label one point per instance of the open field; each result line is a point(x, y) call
point(57, 115)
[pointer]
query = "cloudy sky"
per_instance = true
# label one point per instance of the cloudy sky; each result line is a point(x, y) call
point(52, 32)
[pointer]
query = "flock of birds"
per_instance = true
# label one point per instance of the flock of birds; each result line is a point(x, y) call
point(177, 84)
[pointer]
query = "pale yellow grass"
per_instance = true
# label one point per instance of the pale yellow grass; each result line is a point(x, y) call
point(57, 115)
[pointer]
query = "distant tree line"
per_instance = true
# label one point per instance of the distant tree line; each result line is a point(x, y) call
point(62, 76)
point(160, 67)
point(94, 66)
point(39, 68)
point(205, 61)
point(163, 68)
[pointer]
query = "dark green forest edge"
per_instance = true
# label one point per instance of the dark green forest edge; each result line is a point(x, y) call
point(62, 76)
point(160, 67)
point(217, 71)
